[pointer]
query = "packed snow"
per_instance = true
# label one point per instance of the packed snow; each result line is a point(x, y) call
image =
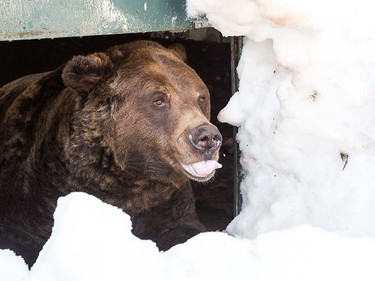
point(92, 241)
point(306, 113)
point(307, 121)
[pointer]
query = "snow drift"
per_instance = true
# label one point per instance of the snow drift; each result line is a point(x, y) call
point(305, 111)
point(92, 240)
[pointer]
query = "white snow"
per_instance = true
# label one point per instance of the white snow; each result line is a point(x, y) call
point(306, 113)
point(92, 241)
point(12, 267)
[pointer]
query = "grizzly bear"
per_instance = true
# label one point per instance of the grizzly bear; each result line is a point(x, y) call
point(129, 125)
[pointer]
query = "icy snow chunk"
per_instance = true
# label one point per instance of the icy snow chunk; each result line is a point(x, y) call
point(92, 240)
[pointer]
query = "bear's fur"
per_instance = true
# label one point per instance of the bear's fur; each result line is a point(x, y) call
point(122, 125)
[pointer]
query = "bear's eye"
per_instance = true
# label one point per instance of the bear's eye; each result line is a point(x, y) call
point(159, 100)
point(202, 99)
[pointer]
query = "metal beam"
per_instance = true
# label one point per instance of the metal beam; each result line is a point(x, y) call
point(236, 48)
point(37, 19)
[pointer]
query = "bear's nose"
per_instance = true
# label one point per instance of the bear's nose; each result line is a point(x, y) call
point(206, 138)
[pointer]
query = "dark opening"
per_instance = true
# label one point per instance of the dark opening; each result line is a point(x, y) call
point(209, 56)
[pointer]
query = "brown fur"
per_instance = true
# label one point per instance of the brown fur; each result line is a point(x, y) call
point(111, 124)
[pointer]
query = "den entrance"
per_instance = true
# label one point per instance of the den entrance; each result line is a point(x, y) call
point(208, 54)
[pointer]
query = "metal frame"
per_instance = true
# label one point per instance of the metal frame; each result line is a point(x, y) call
point(38, 19)
point(236, 46)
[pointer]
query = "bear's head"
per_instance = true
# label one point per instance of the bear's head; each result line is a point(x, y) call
point(149, 109)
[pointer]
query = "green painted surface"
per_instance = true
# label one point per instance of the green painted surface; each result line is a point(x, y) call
point(36, 19)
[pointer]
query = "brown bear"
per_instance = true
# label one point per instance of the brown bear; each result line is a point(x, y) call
point(129, 125)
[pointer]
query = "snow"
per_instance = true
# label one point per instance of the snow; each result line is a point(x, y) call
point(92, 240)
point(306, 121)
point(306, 113)
point(12, 267)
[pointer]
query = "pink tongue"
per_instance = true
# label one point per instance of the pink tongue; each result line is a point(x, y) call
point(203, 168)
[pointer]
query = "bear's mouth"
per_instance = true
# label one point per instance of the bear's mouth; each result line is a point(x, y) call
point(201, 171)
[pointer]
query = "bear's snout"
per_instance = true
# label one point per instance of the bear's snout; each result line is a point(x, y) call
point(206, 138)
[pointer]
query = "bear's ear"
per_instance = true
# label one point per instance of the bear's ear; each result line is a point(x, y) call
point(179, 51)
point(83, 73)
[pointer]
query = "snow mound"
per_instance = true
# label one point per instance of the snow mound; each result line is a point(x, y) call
point(305, 111)
point(92, 241)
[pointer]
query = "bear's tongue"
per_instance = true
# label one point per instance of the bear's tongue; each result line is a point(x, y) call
point(202, 169)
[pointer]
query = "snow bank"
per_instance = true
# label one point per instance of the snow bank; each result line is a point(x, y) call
point(92, 241)
point(305, 111)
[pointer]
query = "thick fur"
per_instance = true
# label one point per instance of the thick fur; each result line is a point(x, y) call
point(111, 124)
